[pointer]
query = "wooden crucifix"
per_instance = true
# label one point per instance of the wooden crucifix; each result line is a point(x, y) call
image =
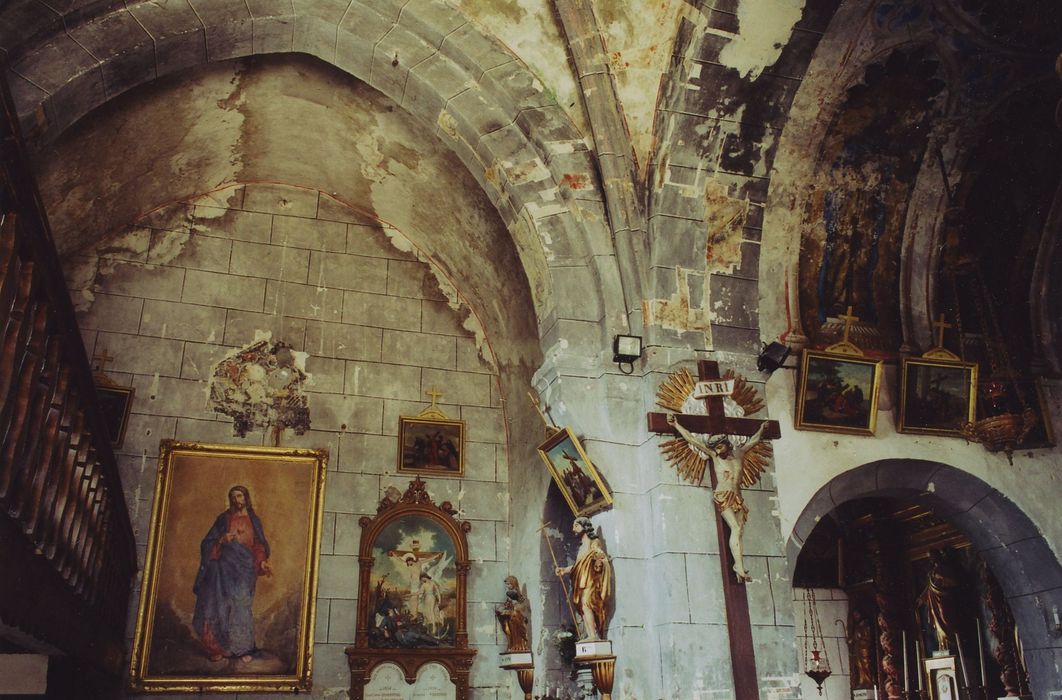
point(739, 624)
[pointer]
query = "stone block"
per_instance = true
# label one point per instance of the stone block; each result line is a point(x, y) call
point(738, 340)
point(482, 546)
point(199, 360)
point(782, 590)
point(463, 388)
point(483, 424)
point(383, 380)
point(274, 33)
point(342, 621)
point(331, 669)
point(380, 311)
point(242, 327)
point(996, 520)
point(124, 49)
point(230, 223)
point(57, 63)
point(406, 278)
point(270, 261)
point(320, 628)
point(359, 31)
point(367, 454)
point(229, 31)
point(418, 349)
point(698, 661)
point(316, 440)
point(483, 628)
point(703, 578)
point(169, 396)
point(354, 413)
point(396, 52)
point(141, 355)
point(303, 300)
point(180, 51)
point(167, 319)
point(762, 532)
point(774, 650)
point(221, 290)
point(314, 35)
point(484, 500)
point(139, 280)
point(439, 317)
point(328, 534)
point(469, 358)
point(130, 245)
point(683, 520)
point(480, 461)
point(484, 581)
point(354, 272)
point(394, 408)
point(734, 301)
point(309, 233)
point(578, 294)
point(373, 241)
point(338, 577)
point(283, 201)
point(144, 432)
point(118, 314)
point(195, 251)
point(326, 375)
point(347, 533)
point(430, 84)
point(343, 341)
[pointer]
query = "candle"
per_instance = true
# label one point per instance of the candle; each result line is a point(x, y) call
point(918, 663)
point(962, 662)
point(906, 676)
point(981, 654)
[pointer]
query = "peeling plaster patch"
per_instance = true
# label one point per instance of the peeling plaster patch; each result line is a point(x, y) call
point(675, 312)
point(725, 217)
point(261, 386)
point(764, 29)
point(521, 173)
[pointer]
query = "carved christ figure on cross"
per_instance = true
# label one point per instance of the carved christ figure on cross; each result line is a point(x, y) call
point(729, 475)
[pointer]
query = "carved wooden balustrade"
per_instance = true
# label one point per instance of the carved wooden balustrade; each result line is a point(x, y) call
point(67, 553)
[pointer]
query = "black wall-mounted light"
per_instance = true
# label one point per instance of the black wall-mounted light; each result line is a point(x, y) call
point(772, 357)
point(625, 350)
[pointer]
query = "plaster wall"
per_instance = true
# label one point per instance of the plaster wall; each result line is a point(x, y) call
point(171, 295)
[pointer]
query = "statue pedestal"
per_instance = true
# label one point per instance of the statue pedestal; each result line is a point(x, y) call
point(597, 656)
point(524, 664)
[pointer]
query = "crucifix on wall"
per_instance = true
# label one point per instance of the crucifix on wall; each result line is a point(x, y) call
point(740, 464)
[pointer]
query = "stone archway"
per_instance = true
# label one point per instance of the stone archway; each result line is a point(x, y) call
point(1021, 559)
point(478, 97)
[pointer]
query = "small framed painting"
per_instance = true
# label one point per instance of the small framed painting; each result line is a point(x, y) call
point(115, 402)
point(228, 597)
point(838, 393)
point(937, 396)
point(431, 446)
point(575, 475)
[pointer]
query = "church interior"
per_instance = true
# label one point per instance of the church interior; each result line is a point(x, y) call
point(415, 286)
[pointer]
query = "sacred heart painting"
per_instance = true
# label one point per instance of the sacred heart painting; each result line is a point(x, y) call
point(414, 586)
point(838, 393)
point(227, 602)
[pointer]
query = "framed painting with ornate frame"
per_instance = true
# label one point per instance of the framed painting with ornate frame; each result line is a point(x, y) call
point(115, 404)
point(431, 445)
point(228, 596)
point(574, 473)
point(936, 396)
point(838, 393)
point(412, 595)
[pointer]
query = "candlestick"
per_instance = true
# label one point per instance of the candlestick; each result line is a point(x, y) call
point(981, 654)
point(962, 661)
point(906, 676)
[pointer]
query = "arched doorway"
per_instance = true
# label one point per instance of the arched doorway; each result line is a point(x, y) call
point(997, 531)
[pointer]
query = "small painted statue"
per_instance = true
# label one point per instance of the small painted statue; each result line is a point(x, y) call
point(514, 614)
point(591, 577)
point(738, 466)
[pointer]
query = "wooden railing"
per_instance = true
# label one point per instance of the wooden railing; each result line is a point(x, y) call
point(67, 553)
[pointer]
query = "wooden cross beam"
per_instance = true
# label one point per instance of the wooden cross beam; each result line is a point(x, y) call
point(735, 596)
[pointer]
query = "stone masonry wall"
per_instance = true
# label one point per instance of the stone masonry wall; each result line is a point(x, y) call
point(170, 296)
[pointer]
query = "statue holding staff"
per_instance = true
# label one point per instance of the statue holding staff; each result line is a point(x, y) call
point(591, 581)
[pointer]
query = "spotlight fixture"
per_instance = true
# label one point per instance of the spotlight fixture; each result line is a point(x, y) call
point(625, 350)
point(772, 357)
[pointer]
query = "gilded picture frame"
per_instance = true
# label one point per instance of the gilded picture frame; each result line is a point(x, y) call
point(936, 396)
point(228, 595)
point(838, 393)
point(431, 446)
point(575, 475)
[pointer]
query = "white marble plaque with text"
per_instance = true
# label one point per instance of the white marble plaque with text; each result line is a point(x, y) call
point(388, 683)
point(433, 683)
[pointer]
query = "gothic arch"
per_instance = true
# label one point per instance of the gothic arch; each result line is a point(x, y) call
point(480, 99)
point(1019, 556)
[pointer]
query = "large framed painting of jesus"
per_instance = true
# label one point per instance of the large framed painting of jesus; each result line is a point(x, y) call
point(227, 602)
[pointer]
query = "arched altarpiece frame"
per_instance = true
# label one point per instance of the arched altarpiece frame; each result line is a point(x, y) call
point(414, 511)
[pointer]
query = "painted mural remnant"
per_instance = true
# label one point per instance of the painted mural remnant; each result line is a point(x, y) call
point(261, 386)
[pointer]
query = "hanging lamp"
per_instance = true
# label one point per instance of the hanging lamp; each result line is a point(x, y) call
point(815, 660)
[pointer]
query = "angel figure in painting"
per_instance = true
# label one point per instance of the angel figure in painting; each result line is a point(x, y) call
point(591, 577)
point(515, 616)
point(739, 467)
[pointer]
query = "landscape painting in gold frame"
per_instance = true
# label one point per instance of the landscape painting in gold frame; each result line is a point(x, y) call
point(838, 393)
point(228, 597)
point(576, 477)
point(936, 396)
